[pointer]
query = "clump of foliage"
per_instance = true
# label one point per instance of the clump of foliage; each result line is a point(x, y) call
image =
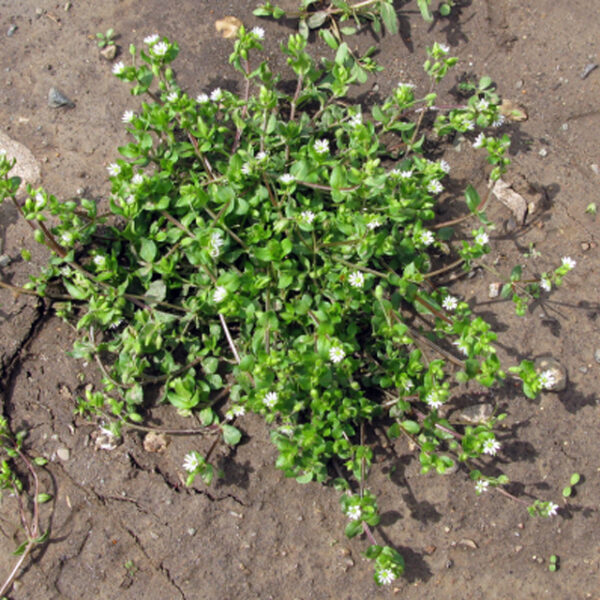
point(269, 248)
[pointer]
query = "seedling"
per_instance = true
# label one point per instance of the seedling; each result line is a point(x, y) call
point(106, 39)
point(591, 208)
point(569, 490)
point(554, 564)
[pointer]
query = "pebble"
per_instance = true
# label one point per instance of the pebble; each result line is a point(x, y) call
point(109, 52)
point(543, 152)
point(565, 126)
point(585, 246)
point(583, 370)
point(547, 363)
point(4, 260)
point(588, 69)
point(596, 168)
point(476, 414)
point(518, 548)
point(467, 543)
point(494, 289)
point(519, 84)
point(56, 99)
point(597, 355)
point(63, 453)
point(11, 30)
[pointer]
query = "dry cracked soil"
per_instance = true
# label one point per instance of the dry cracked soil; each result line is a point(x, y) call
point(121, 523)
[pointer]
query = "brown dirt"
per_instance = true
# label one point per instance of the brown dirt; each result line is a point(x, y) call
point(255, 534)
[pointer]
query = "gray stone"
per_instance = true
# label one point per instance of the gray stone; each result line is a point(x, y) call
point(476, 414)
point(63, 453)
point(558, 372)
point(27, 167)
point(597, 355)
point(56, 99)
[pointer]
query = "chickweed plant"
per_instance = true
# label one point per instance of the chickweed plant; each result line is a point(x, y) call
point(267, 252)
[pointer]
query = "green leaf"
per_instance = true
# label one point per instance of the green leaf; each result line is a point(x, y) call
point(575, 478)
point(157, 291)
point(394, 431)
point(372, 552)
point(411, 426)
point(424, 8)
point(42, 498)
point(148, 250)
point(329, 39)
point(40, 461)
point(567, 491)
point(306, 478)
point(231, 435)
point(353, 528)
point(389, 17)
point(472, 198)
point(317, 19)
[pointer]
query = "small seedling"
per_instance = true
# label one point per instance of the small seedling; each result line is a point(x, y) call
point(446, 8)
point(554, 563)
point(106, 39)
point(131, 568)
point(569, 491)
point(591, 209)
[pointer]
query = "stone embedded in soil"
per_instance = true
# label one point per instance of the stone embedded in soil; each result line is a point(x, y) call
point(155, 442)
point(558, 371)
point(64, 454)
point(476, 414)
point(597, 355)
point(27, 167)
point(56, 99)
point(109, 52)
point(494, 289)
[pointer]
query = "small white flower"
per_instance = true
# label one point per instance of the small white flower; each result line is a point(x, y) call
point(191, 462)
point(99, 260)
point(479, 141)
point(118, 68)
point(137, 179)
point(259, 32)
point(385, 576)
point(216, 241)
point(130, 199)
point(462, 346)
point(410, 86)
point(435, 187)
point(336, 354)
point(172, 96)
point(450, 303)
point(128, 116)
point(261, 156)
point(482, 104)
point(405, 174)
point(66, 237)
point(39, 199)
point(481, 486)
point(246, 169)
point(491, 446)
point(426, 238)
point(374, 224)
point(356, 279)
point(354, 513)
point(445, 166)
point(355, 120)
point(238, 411)
point(433, 400)
point(202, 98)
point(308, 216)
point(219, 294)
point(547, 379)
point(160, 49)
point(444, 48)
point(216, 94)
point(113, 169)
point(482, 239)
point(552, 509)
point(408, 385)
point(321, 146)
point(286, 430)
point(469, 125)
point(545, 284)
point(567, 261)
point(287, 178)
point(270, 399)
point(151, 39)
point(499, 121)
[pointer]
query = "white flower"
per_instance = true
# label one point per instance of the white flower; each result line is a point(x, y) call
point(450, 303)
point(355, 120)
point(321, 146)
point(426, 238)
point(482, 104)
point(99, 260)
point(445, 166)
point(128, 116)
point(286, 430)
point(469, 125)
point(113, 169)
point(238, 411)
point(261, 156)
point(39, 199)
point(259, 32)
point(547, 379)
point(270, 399)
point(385, 576)
point(435, 187)
point(552, 509)
point(405, 174)
point(499, 121)
point(130, 199)
point(137, 179)
point(308, 216)
point(151, 39)
point(336, 354)
point(246, 169)
point(219, 294)
point(216, 94)
point(481, 486)
point(160, 49)
point(545, 284)
point(491, 446)
point(202, 98)
point(374, 224)
point(567, 261)
point(66, 237)
point(216, 241)
point(482, 239)
point(410, 86)
point(444, 48)
point(118, 68)
point(191, 462)
point(354, 513)
point(433, 400)
point(287, 178)
point(479, 141)
point(462, 346)
point(172, 97)
point(408, 385)
point(356, 279)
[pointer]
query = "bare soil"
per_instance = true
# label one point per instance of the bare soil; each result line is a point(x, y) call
point(255, 534)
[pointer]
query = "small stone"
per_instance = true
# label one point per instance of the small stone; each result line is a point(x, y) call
point(583, 370)
point(11, 30)
point(565, 127)
point(39, 12)
point(585, 246)
point(191, 531)
point(429, 550)
point(4, 260)
point(63, 453)
point(588, 69)
point(547, 363)
point(596, 168)
point(494, 289)
point(449, 564)
point(155, 442)
point(468, 543)
point(476, 414)
point(597, 355)
point(518, 549)
point(520, 83)
point(543, 152)
point(56, 99)
point(109, 52)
